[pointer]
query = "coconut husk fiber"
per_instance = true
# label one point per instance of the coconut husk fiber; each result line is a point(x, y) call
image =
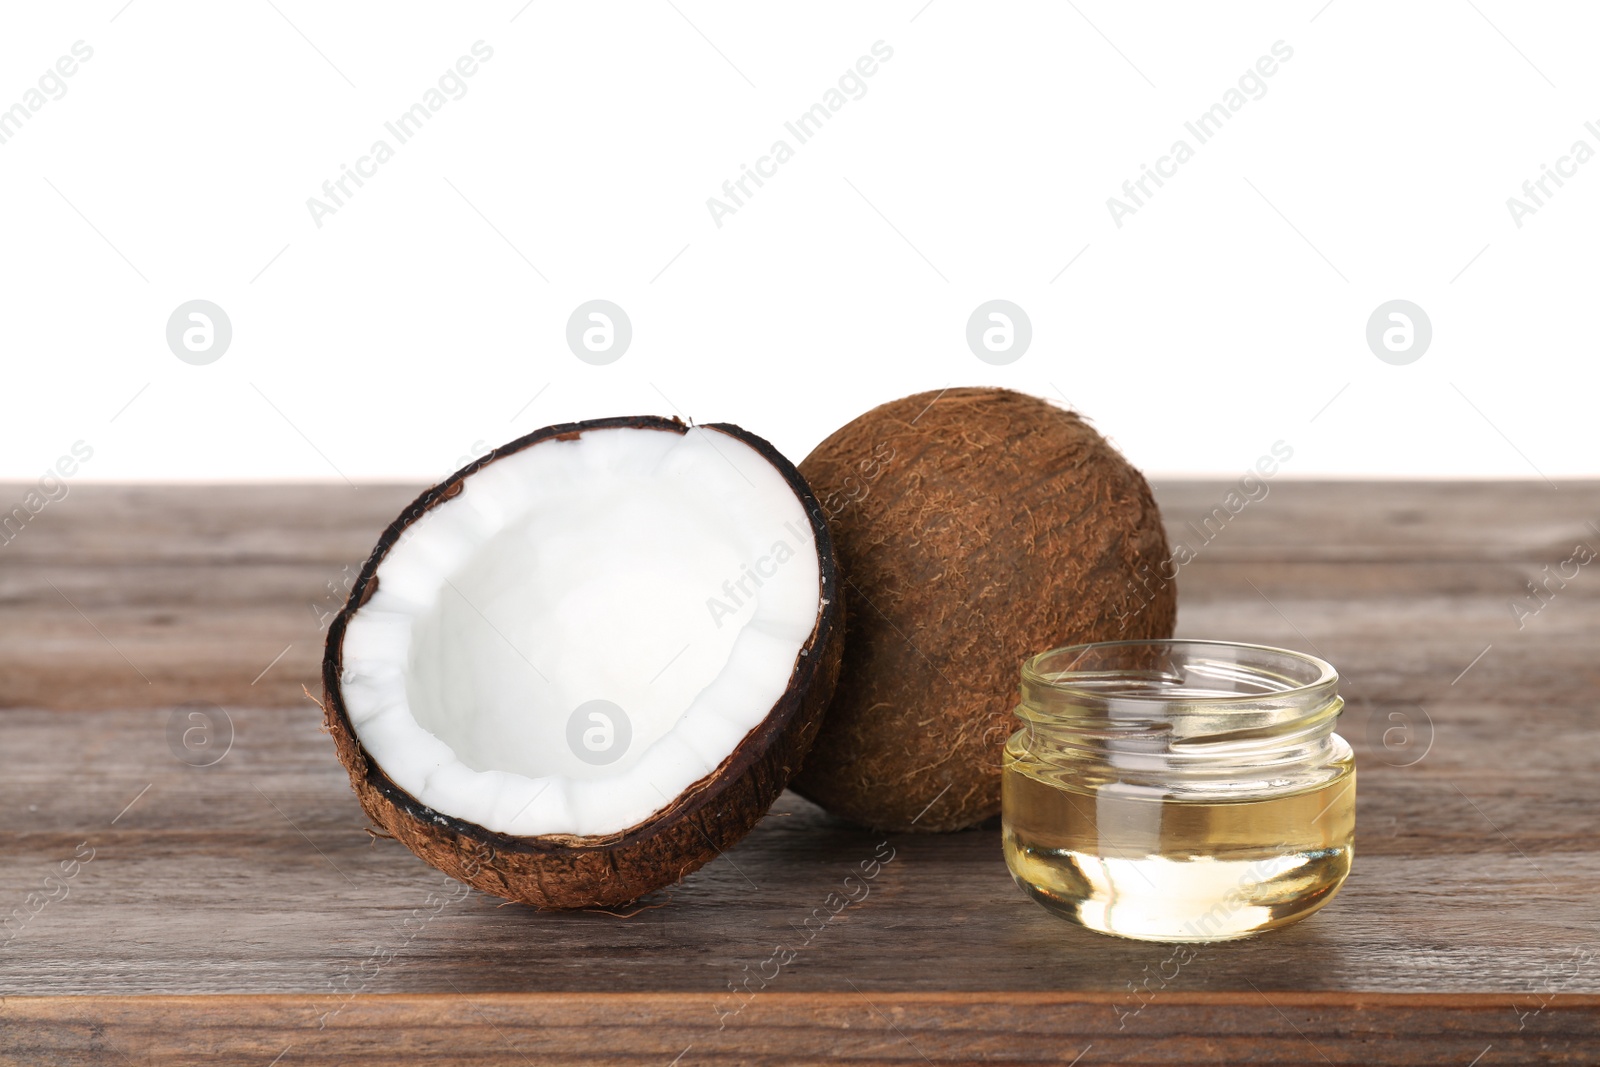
point(974, 527)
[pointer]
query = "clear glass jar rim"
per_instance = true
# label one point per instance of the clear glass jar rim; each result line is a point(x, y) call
point(1327, 676)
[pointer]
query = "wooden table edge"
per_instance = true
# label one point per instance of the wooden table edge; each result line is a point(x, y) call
point(823, 999)
point(861, 1027)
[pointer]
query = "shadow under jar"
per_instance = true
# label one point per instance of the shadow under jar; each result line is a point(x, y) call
point(1179, 790)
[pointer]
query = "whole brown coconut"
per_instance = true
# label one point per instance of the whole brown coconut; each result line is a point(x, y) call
point(974, 527)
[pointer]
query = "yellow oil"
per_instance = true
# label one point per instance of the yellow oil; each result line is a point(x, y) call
point(1137, 862)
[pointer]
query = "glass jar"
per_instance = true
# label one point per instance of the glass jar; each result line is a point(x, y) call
point(1179, 790)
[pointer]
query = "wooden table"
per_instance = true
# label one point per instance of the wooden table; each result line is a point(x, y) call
point(239, 913)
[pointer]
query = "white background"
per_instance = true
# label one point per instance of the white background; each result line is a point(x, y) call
point(414, 327)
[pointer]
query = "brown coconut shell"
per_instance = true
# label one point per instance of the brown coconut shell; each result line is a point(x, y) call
point(565, 871)
point(975, 527)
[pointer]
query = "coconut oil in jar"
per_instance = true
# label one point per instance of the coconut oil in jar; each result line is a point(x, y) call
point(1179, 790)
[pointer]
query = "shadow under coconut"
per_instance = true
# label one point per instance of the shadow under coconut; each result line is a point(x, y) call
point(804, 902)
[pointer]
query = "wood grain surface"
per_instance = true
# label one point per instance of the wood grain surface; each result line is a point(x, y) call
point(516, 1029)
point(165, 912)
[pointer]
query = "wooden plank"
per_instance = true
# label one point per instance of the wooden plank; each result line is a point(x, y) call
point(148, 596)
point(867, 1026)
point(1458, 521)
point(155, 636)
point(1303, 519)
point(256, 875)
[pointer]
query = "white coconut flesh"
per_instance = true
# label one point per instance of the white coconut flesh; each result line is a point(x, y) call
point(586, 630)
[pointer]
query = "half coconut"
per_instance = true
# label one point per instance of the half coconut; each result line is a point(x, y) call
point(588, 662)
